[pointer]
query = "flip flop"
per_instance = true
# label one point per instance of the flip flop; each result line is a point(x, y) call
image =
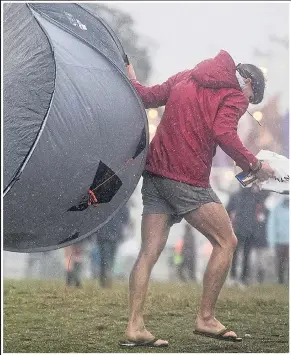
point(147, 343)
point(220, 335)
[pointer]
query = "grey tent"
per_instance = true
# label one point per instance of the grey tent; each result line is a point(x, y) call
point(75, 130)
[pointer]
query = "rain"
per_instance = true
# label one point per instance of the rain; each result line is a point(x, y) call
point(98, 155)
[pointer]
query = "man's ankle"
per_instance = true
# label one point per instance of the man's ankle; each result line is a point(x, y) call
point(205, 316)
point(136, 325)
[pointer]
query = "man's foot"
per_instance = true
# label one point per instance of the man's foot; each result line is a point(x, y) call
point(154, 343)
point(144, 336)
point(219, 336)
point(212, 326)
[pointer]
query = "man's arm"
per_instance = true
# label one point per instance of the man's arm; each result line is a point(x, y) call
point(225, 134)
point(153, 96)
point(225, 131)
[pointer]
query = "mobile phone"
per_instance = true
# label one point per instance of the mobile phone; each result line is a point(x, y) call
point(246, 178)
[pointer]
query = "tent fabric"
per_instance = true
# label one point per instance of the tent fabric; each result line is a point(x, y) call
point(29, 75)
point(92, 132)
point(83, 24)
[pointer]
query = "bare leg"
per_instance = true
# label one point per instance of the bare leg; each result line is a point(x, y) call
point(154, 231)
point(233, 269)
point(212, 220)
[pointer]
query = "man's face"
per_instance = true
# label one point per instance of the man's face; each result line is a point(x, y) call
point(247, 90)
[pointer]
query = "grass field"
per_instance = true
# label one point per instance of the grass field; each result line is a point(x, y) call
point(44, 317)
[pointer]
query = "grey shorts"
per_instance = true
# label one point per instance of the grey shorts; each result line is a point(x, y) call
point(167, 196)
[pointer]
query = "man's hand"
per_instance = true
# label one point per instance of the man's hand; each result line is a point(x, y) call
point(265, 172)
point(130, 72)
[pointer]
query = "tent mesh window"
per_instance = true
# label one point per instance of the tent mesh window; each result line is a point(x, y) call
point(102, 190)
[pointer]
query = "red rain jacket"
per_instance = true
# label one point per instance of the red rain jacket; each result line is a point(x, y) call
point(202, 109)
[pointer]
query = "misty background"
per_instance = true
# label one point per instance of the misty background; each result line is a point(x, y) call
point(182, 34)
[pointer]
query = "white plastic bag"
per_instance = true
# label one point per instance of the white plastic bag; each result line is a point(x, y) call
point(280, 164)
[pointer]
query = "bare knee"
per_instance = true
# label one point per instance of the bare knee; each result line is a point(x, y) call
point(212, 220)
point(227, 242)
point(150, 254)
point(155, 230)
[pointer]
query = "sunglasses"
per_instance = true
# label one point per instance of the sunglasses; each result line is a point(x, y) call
point(246, 74)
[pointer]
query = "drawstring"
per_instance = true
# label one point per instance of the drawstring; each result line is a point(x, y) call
point(92, 199)
point(254, 118)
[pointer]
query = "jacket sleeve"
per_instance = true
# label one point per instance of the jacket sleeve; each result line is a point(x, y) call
point(225, 131)
point(157, 95)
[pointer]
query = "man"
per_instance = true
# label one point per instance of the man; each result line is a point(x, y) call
point(202, 109)
point(278, 235)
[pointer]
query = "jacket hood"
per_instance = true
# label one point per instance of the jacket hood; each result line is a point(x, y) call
point(217, 73)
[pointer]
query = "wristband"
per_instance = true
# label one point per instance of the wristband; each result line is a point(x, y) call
point(258, 168)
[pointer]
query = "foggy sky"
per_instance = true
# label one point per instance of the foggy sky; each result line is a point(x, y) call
point(184, 33)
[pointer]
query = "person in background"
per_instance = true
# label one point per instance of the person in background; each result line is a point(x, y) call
point(108, 238)
point(73, 264)
point(171, 263)
point(278, 237)
point(95, 262)
point(178, 259)
point(248, 214)
point(259, 243)
point(188, 256)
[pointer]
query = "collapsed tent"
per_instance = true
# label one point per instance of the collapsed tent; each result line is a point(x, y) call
point(75, 131)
